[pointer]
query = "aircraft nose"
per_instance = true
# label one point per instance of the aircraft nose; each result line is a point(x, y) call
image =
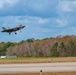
point(23, 26)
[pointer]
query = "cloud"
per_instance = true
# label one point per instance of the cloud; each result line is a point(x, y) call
point(1, 4)
point(39, 8)
point(67, 13)
point(7, 3)
point(11, 2)
point(66, 6)
point(62, 22)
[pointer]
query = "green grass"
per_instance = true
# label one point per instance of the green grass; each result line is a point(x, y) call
point(37, 60)
point(29, 58)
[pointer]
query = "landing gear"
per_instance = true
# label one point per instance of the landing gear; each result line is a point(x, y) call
point(9, 33)
point(15, 33)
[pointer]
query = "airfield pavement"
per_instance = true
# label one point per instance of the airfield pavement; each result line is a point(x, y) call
point(36, 67)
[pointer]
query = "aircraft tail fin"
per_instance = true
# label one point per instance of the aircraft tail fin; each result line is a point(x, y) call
point(3, 28)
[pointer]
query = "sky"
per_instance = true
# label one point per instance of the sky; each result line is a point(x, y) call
point(42, 18)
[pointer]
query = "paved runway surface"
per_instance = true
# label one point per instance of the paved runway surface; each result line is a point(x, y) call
point(36, 67)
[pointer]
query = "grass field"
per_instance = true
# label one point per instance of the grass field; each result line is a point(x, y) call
point(36, 60)
point(55, 73)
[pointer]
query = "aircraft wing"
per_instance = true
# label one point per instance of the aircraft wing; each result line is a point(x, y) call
point(7, 30)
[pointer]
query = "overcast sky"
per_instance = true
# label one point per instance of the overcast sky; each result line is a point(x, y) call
point(42, 18)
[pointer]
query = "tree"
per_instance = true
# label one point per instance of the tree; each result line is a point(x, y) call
point(54, 51)
point(71, 48)
point(62, 49)
point(30, 40)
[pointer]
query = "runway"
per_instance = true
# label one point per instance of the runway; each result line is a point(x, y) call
point(36, 67)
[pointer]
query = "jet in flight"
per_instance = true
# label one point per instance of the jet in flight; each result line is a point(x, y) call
point(10, 30)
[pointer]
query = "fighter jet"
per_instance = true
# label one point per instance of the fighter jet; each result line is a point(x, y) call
point(10, 30)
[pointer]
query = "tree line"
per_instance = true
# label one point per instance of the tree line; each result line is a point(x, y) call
point(61, 46)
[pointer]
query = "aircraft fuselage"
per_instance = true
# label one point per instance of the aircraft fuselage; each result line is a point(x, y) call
point(13, 29)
